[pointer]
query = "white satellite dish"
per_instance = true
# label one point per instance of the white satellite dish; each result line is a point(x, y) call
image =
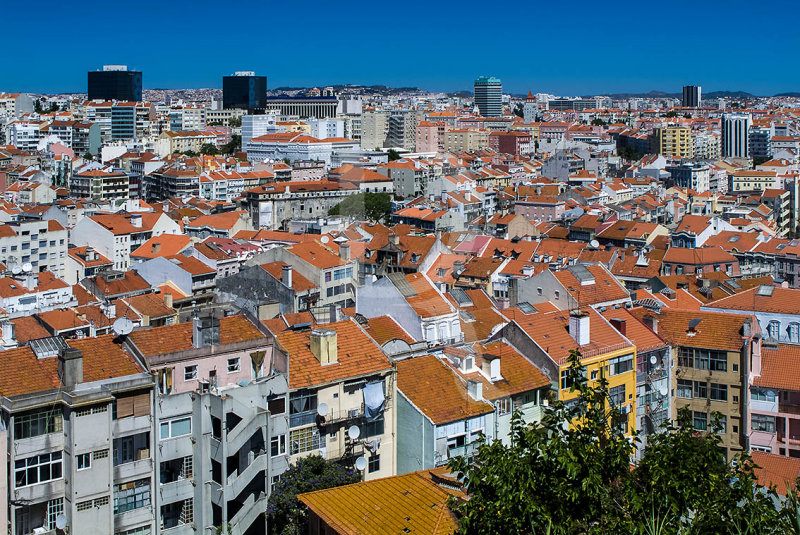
point(324, 239)
point(16, 270)
point(322, 409)
point(653, 359)
point(594, 244)
point(353, 432)
point(122, 326)
point(664, 391)
point(61, 521)
point(361, 463)
point(27, 267)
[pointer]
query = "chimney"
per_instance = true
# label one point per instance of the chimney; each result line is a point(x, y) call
point(458, 267)
point(394, 238)
point(344, 251)
point(168, 299)
point(197, 330)
point(490, 366)
point(527, 270)
point(579, 327)
point(619, 325)
point(475, 389)
point(136, 220)
point(323, 346)
point(70, 367)
point(29, 280)
point(155, 247)
point(286, 276)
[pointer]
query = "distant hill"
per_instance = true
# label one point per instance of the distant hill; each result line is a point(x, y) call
point(793, 94)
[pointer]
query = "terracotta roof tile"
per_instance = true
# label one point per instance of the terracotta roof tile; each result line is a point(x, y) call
point(178, 337)
point(357, 355)
point(777, 470)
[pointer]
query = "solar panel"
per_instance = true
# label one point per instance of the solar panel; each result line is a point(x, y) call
point(694, 323)
point(526, 307)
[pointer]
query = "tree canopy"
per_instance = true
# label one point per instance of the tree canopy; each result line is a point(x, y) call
point(373, 206)
point(209, 149)
point(393, 155)
point(233, 146)
point(286, 514)
point(571, 474)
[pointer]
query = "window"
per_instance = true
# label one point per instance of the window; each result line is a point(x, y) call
point(306, 439)
point(274, 481)
point(620, 365)
point(190, 373)
point(302, 408)
point(556, 294)
point(763, 395)
point(176, 428)
point(700, 389)
point(327, 276)
point(684, 389)
point(721, 421)
point(34, 424)
point(773, 329)
point(719, 392)
point(37, 469)
point(83, 461)
point(566, 380)
point(233, 365)
point(761, 422)
point(374, 463)
point(276, 405)
point(700, 421)
point(130, 496)
point(374, 429)
point(131, 448)
point(616, 395)
point(503, 406)
point(278, 445)
point(54, 508)
point(793, 332)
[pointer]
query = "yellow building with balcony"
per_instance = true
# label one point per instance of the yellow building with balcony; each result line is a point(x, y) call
point(546, 339)
point(672, 140)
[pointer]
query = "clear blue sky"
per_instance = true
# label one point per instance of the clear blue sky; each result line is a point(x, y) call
point(577, 47)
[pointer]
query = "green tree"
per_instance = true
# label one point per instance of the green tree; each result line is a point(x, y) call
point(597, 121)
point(235, 122)
point(286, 514)
point(670, 114)
point(628, 153)
point(209, 149)
point(190, 153)
point(376, 207)
point(393, 155)
point(233, 146)
point(570, 474)
point(88, 156)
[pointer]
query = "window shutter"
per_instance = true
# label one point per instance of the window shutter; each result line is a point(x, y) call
point(124, 407)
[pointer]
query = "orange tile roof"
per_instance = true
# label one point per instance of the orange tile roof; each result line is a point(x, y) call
point(150, 304)
point(178, 337)
point(643, 338)
point(435, 390)
point(382, 329)
point(551, 332)
point(715, 330)
point(698, 256)
point(299, 282)
point(317, 255)
point(62, 320)
point(780, 368)
point(428, 302)
point(777, 470)
point(358, 355)
point(28, 328)
point(164, 245)
point(518, 373)
point(782, 301)
point(605, 288)
point(411, 503)
point(103, 358)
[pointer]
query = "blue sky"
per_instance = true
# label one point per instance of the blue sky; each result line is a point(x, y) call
point(576, 47)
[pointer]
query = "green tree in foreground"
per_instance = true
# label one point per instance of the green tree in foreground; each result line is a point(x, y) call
point(372, 206)
point(286, 514)
point(208, 149)
point(566, 479)
point(393, 155)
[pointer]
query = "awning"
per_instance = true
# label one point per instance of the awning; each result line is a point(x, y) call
point(374, 400)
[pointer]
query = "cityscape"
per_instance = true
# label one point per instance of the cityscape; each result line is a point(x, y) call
point(435, 303)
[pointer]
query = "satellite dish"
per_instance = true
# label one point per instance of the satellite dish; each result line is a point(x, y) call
point(594, 244)
point(664, 391)
point(653, 360)
point(122, 326)
point(16, 270)
point(27, 267)
point(324, 239)
point(353, 432)
point(61, 521)
point(322, 409)
point(361, 463)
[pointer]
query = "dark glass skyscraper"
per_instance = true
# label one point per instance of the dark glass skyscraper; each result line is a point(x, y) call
point(115, 82)
point(244, 90)
point(691, 96)
point(489, 96)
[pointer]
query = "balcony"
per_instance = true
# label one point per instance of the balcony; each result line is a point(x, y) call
point(181, 489)
point(788, 408)
point(468, 450)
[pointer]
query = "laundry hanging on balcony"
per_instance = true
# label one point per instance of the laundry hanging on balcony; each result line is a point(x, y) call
point(374, 400)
